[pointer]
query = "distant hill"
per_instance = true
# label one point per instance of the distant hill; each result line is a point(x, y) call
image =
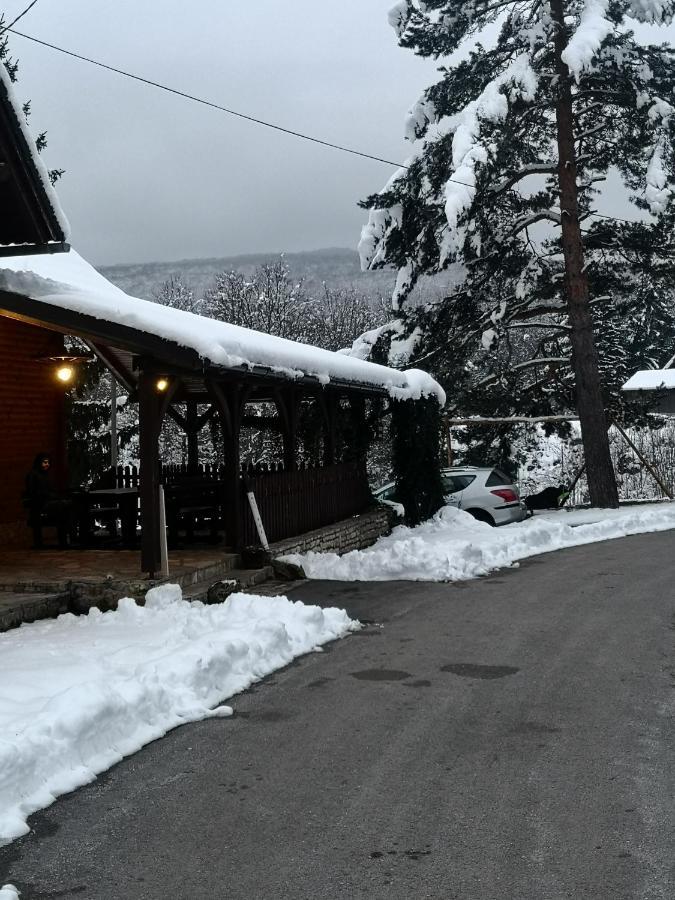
point(338, 267)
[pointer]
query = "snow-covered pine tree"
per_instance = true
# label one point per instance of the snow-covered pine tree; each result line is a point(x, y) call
point(512, 145)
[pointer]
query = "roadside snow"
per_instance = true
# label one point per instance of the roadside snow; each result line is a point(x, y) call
point(455, 547)
point(79, 693)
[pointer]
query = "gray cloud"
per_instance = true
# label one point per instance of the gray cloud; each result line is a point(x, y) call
point(154, 177)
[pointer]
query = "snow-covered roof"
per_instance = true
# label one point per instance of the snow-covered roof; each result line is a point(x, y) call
point(651, 380)
point(28, 175)
point(68, 282)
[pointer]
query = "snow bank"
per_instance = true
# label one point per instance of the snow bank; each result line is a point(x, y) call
point(9, 892)
point(455, 547)
point(79, 693)
point(67, 281)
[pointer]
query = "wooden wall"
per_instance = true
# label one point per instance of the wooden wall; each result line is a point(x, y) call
point(31, 418)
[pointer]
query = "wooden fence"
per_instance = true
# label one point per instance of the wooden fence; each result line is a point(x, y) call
point(290, 502)
point(128, 476)
point(295, 502)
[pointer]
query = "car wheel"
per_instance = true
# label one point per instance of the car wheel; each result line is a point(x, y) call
point(481, 516)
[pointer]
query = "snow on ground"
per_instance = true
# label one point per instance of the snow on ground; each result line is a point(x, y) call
point(79, 693)
point(455, 547)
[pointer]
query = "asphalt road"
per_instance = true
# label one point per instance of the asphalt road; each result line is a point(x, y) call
point(510, 737)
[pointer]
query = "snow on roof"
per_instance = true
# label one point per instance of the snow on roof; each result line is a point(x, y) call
point(67, 281)
point(651, 380)
point(40, 168)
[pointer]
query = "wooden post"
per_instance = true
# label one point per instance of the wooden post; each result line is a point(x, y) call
point(192, 432)
point(357, 406)
point(230, 400)
point(113, 422)
point(152, 406)
point(330, 431)
point(149, 426)
point(287, 401)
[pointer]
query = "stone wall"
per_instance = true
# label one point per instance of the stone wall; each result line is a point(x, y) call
point(354, 533)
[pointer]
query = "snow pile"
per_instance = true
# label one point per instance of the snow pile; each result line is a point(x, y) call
point(455, 547)
point(81, 692)
point(66, 281)
point(9, 892)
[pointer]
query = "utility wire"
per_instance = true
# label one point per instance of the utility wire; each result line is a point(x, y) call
point(212, 105)
point(225, 109)
point(20, 16)
point(209, 103)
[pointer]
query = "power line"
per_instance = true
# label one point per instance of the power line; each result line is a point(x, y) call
point(212, 105)
point(203, 102)
point(231, 112)
point(618, 219)
point(20, 16)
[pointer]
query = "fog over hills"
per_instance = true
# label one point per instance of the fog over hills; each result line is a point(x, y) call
point(337, 267)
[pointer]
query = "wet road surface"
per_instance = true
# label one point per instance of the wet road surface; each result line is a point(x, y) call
point(510, 737)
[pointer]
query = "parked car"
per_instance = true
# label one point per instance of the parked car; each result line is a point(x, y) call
point(485, 493)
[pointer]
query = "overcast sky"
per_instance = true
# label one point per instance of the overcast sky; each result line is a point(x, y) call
point(150, 176)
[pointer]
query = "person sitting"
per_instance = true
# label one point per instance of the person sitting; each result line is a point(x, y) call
point(45, 504)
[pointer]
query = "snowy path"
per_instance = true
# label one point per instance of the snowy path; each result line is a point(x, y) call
point(402, 766)
point(455, 547)
point(80, 693)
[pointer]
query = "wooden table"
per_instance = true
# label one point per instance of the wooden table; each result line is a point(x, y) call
point(127, 500)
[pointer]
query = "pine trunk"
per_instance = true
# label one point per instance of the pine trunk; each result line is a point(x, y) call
point(590, 405)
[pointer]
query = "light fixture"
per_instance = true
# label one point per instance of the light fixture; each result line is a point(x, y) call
point(65, 373)
point(162, 384)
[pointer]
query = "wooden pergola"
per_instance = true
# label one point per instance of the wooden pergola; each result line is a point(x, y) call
point(164, 376)
point(171, 369)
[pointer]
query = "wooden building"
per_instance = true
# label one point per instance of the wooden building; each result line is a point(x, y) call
point(31, 402)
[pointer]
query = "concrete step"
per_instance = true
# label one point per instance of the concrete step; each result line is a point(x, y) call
point(246, 580)
point(16, 608)
point(217, 571)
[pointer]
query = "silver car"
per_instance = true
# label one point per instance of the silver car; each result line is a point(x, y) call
point(487, 494)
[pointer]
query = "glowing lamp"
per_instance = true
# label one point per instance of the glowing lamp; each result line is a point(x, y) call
point(65, 374)
point(162, 384)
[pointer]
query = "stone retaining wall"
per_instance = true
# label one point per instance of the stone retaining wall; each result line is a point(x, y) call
point(355, 533)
